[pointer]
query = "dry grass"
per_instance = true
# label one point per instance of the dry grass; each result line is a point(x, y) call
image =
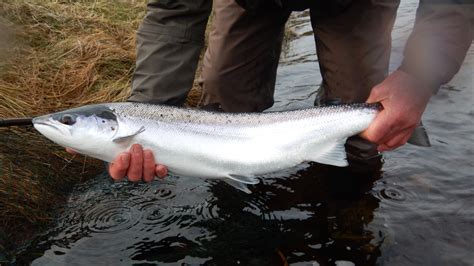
point(66, 55)
point(55, 55)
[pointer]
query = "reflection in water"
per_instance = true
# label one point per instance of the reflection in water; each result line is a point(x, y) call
point(417, 212)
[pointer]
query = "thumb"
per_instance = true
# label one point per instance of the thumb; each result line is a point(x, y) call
point(375, 95)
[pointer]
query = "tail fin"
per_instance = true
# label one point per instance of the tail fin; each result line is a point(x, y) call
point(419, 137)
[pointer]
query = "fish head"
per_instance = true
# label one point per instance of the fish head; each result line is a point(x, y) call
point(82, 129)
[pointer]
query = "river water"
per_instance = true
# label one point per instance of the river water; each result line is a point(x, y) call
point(417, 211)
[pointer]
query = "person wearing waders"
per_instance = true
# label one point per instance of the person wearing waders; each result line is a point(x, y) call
point(353, 43)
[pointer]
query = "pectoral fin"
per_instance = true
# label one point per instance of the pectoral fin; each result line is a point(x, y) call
point(335, 155)
point(124, 134)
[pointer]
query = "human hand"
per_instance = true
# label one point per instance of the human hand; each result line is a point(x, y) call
point(135, 164)
point(404, 100)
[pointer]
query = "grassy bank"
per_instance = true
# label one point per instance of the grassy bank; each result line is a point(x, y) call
point(61, 55)
point(55, 55)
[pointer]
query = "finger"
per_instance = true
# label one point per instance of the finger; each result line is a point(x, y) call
point(71, 151)
point(161, 171)
point(392, 133)
point(395, 137)
point(148, 166)
point(398, 140)
point(135, 170)
point(118, 168)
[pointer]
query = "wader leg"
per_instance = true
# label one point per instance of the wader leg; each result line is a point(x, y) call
point(169, 42)
point(353, 48)
point(240, 64)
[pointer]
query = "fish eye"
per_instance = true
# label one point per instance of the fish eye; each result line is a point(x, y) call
point(67, 120)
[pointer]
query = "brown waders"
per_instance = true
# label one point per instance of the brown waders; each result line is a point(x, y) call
point(353, 45)
point(240, 64)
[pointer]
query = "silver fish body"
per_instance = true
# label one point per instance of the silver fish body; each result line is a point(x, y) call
point(236, 147)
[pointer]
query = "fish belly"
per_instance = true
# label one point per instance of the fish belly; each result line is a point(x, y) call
point(218, 156)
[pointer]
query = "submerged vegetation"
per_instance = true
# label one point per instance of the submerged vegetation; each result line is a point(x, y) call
point(55, 55)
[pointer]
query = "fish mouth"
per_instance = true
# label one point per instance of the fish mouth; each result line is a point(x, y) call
point(43, 120)
point(45, 124)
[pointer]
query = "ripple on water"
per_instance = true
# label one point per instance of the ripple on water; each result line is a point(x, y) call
point(112, 207)
point(208, 210)
point(392, 194)
point(259, 207)
point(158, 192)
point(111, 215)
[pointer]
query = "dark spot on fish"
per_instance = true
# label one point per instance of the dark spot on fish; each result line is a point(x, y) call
point(113, 128)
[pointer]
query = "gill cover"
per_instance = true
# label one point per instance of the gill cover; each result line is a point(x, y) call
point(124, 130)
